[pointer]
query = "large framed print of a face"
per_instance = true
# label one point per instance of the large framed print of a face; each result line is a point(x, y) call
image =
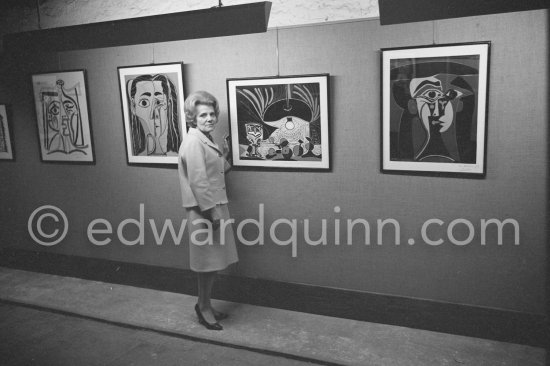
point(434, 109)
point(152, 104)
point(63, 117)
point(280, 122)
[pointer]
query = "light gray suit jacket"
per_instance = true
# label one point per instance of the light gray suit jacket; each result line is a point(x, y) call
point(201, 169)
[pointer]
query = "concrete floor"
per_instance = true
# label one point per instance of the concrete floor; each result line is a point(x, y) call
point(37, 337)
point(54, 320)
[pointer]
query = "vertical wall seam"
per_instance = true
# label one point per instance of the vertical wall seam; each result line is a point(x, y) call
point(435, 35)
point(38, 13)
point(277, 52)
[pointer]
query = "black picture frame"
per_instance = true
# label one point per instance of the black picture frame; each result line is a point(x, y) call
point(7, 142)
point(434, 103)
point(280, 122)
point(63, 117)
point(143, 144)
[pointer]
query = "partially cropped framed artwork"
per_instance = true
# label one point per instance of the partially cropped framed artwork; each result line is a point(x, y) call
point(434, 109)
point(63, 117)
point(152, 106)
point(6, 135)
point(280, 122)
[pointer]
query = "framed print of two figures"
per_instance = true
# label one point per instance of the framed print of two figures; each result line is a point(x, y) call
point(6, 137)
point(64, 130)
point(434, 108)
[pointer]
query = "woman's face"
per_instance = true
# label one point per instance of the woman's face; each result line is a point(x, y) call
point(206, 118)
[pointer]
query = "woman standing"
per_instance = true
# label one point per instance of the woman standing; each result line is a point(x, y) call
point(202, 166)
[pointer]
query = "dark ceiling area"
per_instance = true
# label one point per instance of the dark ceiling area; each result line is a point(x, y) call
point(13, 4)
point(407, 11)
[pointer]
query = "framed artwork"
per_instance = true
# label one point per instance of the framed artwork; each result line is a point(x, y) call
point(6, 136)
point(434, 109)
point(63, 117)
point(280, 122)
point(152, 105)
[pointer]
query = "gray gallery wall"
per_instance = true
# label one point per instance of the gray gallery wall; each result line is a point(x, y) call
point(507, 277)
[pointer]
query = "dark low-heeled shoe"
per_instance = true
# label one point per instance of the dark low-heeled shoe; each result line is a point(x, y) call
point(207, 325)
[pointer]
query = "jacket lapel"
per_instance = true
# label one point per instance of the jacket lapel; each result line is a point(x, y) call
point(204, 139)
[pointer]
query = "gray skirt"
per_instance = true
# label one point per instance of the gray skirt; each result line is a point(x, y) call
point(210, 250)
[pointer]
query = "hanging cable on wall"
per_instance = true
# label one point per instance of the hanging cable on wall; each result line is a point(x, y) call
point(38, 13)
point(277, 52)
point(435, 37)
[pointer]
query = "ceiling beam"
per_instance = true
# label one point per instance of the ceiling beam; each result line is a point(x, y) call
point(206, 23)
point(406, 11)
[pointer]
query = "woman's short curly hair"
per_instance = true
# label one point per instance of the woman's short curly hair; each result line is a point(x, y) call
point(195, 99)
